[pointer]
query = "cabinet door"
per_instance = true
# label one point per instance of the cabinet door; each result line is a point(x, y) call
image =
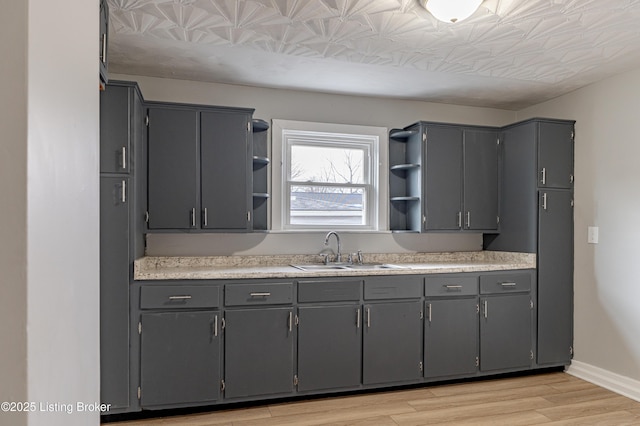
point(258, 352)
point(555, 155)
point(392, 342)
point(555, 277)
point(224, 161)
point(329, 347)
point(443, 178)
point(115, 270)
point(451, 337)
point(173, 171)
point(480, 179)
point(505, 332)
point(180, 358)
point(104, 34)
point(115, 117)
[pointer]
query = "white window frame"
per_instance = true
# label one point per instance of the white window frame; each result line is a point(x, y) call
point(286, 133)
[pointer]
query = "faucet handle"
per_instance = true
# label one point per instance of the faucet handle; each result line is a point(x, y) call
point(360, 257)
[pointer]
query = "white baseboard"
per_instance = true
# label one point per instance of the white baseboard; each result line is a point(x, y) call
point(606, 379)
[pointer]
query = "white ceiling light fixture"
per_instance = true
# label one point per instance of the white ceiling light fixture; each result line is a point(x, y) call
point(451, 11)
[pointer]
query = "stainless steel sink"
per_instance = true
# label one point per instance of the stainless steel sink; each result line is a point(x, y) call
point(346, 266)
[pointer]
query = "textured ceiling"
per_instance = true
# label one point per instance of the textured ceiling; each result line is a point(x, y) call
point(509, 54)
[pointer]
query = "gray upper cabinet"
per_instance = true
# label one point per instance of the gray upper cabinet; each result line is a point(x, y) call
point(555, 155)
point(392, 348)
point(180, 358)
point(443, 178)
point(194, 153)
point(481, 151)
point(458, 181)
point(116, 119)
point(225, 169)
point(103, 40)
point(173, 168)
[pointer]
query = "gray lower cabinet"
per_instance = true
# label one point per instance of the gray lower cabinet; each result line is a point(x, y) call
point(329, 347)
point(506, 322)
point(114, 291)
point(392, 342)
point(258, 351)
point(180, 358)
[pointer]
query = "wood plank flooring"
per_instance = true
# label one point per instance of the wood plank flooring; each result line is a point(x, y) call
point(547, 399)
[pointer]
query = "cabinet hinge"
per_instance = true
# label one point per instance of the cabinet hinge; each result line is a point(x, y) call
point(146, 121)
point(531, 354)
point(420, 366)
point(498, 220)
point(424, 136)
point(295, 380)
point(139, 393)
point(572, 203)
point(248, 216)
point(498, 141)
point(222, 385)
point(531, 304)
point(477, 362)
point(571, 178)
point(223, 323)
point(573, 135)
point(139, 328)
point(146, 217)
point(421, 314)
point(477, 308)
point(297, 318)
point(248, 126)
point(571, 351)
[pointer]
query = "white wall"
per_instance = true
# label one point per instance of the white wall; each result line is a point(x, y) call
point(319, 107)
point(13, 229)
point(607, 195)
point(49, 309)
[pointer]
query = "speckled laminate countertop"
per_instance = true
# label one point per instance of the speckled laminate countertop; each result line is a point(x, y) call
point(279, 266)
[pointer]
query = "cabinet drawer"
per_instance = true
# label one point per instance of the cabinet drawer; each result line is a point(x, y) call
point(505, 283)
point(258, 294)
point(451, 286)
point(329, 291)
point(179, 296)
point(393, 287)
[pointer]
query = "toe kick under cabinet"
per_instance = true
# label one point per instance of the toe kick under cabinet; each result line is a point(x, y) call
point(210, 342)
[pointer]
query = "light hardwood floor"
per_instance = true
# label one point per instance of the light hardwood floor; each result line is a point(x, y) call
point(546, 399)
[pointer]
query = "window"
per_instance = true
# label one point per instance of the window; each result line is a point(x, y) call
point(329, 180)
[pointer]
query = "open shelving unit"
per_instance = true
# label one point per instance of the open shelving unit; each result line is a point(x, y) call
point(260, 174)
point(405, 179)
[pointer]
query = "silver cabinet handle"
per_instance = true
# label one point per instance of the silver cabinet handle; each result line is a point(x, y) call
point(468, 219)
point(103, 56)
point(429, 307)
point(544, 201)
point(215, 326)
point(486, 309)
point(460, 220)
point(508, 284)
point(193, 217)
point(368, 317)
point(124, 158)
point(452, 287)
point(206, 217)
point(184, 297)
point(358, 318)
point(265, 294)
point(544, 176)
point(290, 321)
point(124, 191)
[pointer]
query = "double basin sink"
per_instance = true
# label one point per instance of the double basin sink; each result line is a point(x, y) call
point(346, 266)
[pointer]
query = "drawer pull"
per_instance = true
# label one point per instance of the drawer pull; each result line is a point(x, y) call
point(453, 287)
point(185, 297)
point(508, 284)
point(265, 294)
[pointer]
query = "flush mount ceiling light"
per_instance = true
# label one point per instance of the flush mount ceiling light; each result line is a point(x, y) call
point(451, 11)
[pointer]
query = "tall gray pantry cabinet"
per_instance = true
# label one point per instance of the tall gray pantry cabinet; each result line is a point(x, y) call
point(537, 217)
point(122, 171)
